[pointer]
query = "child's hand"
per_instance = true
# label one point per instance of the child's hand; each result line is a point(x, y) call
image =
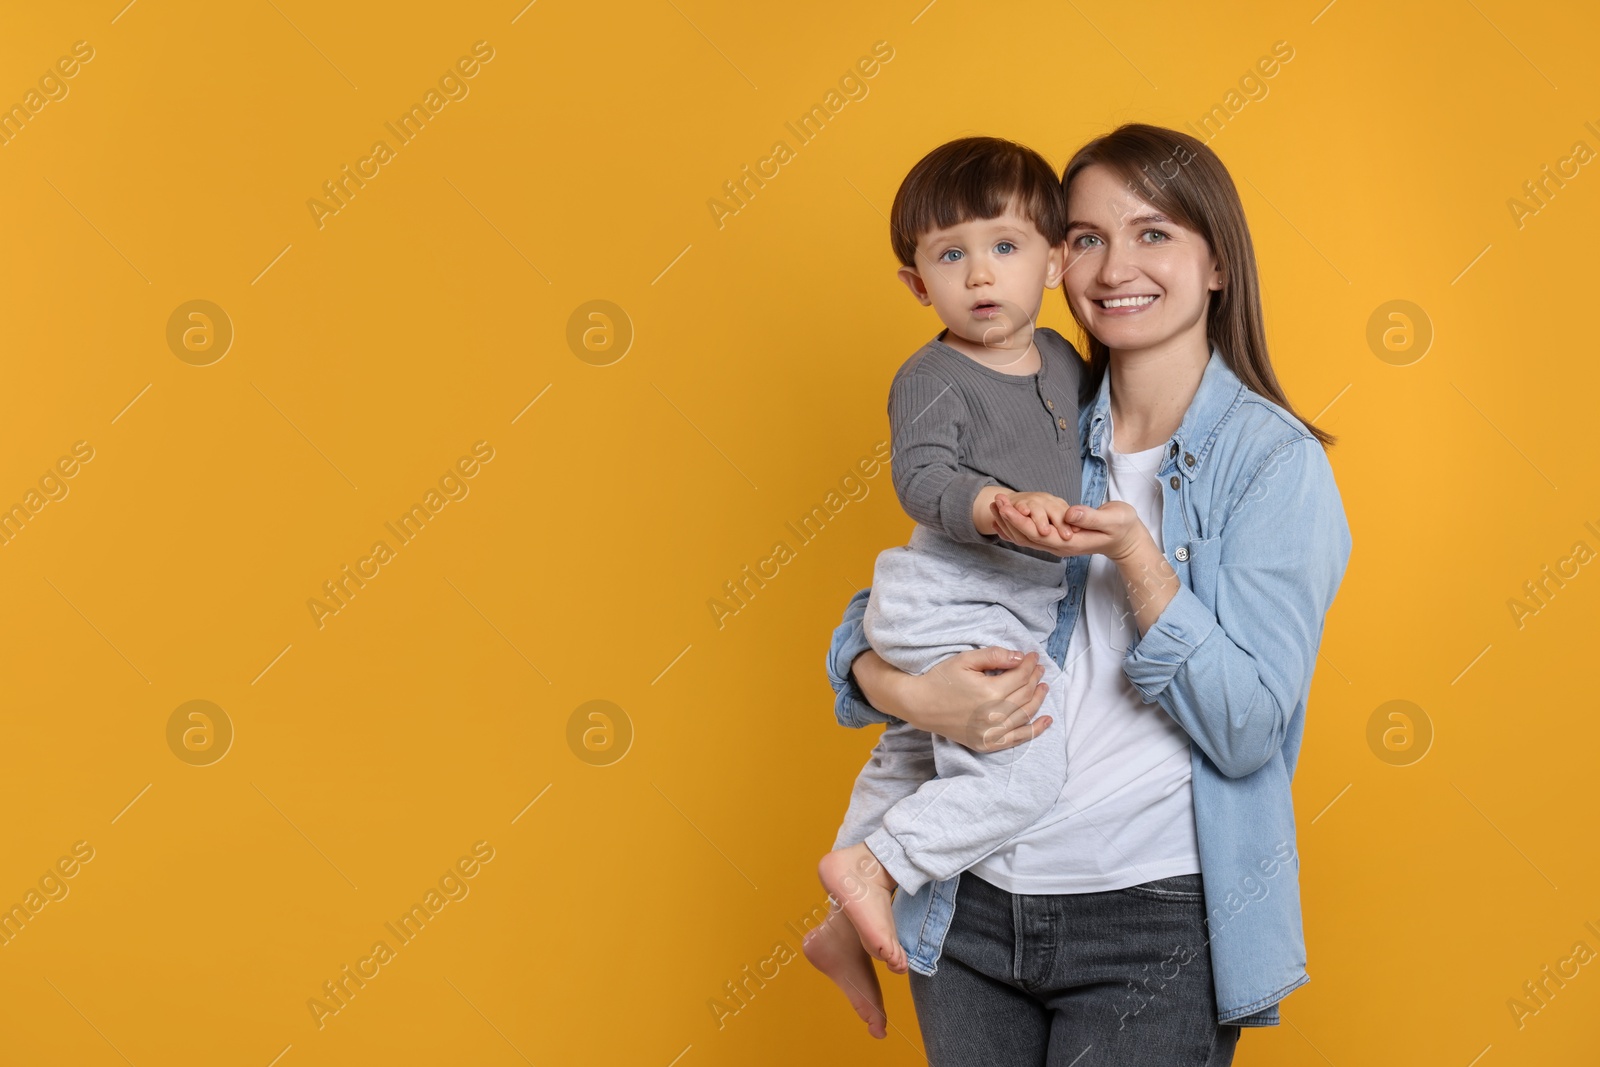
point(1113, 530)
point(1048, 511)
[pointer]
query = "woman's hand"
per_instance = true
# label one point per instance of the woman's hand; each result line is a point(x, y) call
point(958, 700)
point(1113, 529)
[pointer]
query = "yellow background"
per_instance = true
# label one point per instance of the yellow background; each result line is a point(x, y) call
point(433, 309)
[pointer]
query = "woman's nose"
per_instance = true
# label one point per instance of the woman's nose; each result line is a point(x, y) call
point(1116, 264)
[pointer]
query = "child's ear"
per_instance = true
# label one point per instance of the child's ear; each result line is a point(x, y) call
point(914, 282)
point(1055, 265)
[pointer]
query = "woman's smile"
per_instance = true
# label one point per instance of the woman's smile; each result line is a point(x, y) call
point(1125, 305)
point(1122, 247)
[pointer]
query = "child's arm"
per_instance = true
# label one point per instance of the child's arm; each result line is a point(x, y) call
point(1048, 511)
point(983, 508)
point(926, 417)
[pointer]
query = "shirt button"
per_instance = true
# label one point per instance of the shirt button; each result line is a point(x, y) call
point(1174, 481)
point(1061, 422)
point(1182, 555)
point(1188, 459)
point(1174, 448)
point(1050, 404)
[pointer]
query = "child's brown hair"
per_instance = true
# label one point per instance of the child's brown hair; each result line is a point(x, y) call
point(975, 178)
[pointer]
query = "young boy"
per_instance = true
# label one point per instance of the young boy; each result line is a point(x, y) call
point(989, 406)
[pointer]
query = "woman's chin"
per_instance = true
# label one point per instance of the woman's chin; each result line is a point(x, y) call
point(1134, 337)
point(1121, 337)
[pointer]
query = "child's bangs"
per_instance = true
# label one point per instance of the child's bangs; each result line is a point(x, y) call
point(988, 192)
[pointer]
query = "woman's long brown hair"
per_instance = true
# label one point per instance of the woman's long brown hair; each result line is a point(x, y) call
point(1184, 180)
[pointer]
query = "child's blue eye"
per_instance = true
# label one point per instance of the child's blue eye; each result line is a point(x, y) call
point(1005, 248)
point(944, 257)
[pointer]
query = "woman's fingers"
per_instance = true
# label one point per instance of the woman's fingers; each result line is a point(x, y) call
point(1008, 719)
point(1006, 716)
point(1015, 730)
point(1108, 517)
point(1088, 518)
point(1027, 695)
point(1026, 732)
point(995, 658)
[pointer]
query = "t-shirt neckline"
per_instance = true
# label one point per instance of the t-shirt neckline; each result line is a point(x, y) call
point(1145, 460)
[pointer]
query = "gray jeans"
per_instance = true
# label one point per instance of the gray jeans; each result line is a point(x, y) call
point(1117, 978)
point(926, 806)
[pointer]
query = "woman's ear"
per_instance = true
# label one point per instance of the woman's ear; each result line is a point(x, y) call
point(914, 282)
point(1219, 279)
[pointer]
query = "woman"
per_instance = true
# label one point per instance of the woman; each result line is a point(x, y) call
point(1155, 910)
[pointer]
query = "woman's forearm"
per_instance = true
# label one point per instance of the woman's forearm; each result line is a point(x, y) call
point(958, 700)
point(914, 698)
point(882, 684)
point(1149, 579)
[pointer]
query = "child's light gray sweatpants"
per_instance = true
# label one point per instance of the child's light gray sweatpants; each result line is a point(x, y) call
point(927, 807)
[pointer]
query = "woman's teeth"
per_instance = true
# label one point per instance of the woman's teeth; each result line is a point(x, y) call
point(1126, 301)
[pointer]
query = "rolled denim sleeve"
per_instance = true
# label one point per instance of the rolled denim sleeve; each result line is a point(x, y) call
point(1233, 678)
point(850, 705)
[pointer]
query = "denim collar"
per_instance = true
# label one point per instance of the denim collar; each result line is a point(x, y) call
point(1219, 394)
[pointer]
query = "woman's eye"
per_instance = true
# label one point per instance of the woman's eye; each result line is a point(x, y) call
point(1158, 235)
point(1005, 248)
point(1081, 242)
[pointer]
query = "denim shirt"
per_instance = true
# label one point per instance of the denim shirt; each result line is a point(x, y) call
point(1253, 524)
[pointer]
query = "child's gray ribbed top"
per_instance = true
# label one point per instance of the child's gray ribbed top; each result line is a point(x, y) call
point(958, 426)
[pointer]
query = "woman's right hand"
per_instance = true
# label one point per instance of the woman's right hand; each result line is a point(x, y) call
point(958, 700)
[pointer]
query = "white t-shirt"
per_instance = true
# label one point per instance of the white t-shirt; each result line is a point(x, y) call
point(1126, 814)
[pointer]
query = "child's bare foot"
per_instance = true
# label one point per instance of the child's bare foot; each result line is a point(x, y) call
point(854, 877)
point(834, 949)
